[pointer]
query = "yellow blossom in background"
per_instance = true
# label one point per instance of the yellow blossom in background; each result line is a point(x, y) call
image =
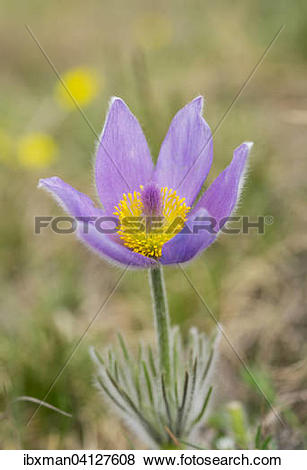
point(153, 31)
point(83, 84)
point(7, 147)
point(36, 150)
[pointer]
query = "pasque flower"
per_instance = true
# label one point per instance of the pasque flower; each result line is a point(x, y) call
point(129, 185)
point(168, 387)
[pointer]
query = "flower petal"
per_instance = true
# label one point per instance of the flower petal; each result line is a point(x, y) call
point(186, 152)
point(79, 205)
point(74, 202)
point(123, 160)
point(188, 244)
point(222, 195)
point(114, 252)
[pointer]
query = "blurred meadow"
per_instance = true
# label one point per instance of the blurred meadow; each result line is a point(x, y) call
point(156, 56)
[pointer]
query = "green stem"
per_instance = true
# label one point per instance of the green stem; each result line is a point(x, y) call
point(162, 323)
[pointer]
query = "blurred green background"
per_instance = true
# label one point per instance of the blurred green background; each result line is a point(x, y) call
point(156, 56)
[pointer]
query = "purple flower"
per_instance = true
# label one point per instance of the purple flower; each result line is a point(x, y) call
point(131, 188)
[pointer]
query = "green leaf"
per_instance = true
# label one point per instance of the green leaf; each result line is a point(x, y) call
point(149, 428)
point(148, 383)
point(208, 364)
point(110, 394)
point(166, 402)
point(238, 424)
point(203, 409)
point(152, 362)
point(183, 401)
point(191, 395)
point(266, 443)
point(259, 442)
point(258, 437)
point(123, 347)
point(98, 357)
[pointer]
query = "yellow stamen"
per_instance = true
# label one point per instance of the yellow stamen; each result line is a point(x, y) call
point(144, 234)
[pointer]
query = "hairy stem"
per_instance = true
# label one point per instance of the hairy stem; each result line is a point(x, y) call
point(162, 323)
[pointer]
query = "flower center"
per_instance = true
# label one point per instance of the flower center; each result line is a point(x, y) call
point(149, 218)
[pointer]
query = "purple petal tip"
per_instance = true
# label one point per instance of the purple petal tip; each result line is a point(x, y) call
point(199, 101)
point(249, 145)
point(116, 100)
point(43, 182)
